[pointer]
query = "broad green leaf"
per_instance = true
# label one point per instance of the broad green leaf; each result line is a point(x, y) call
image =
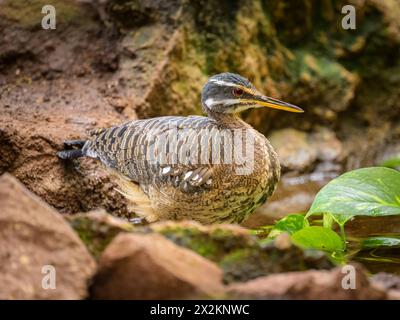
point(321, 238)
point(289, 224)
point(379, 242)
point(368, 192)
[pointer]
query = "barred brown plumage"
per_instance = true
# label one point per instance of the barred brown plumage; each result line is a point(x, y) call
point(193, 167)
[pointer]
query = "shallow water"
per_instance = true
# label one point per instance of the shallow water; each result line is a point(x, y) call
point(379, 259)
point(294, 194)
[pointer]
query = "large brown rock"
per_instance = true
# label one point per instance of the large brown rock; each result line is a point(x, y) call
point(59, 93)
point(34, 236)
point(310, 285)
point(149, 266)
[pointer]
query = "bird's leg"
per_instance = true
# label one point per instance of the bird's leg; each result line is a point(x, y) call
point(70, 152)
point(74, 143)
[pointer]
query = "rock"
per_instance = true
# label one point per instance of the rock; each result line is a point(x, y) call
point(210, 241)
point(97, 228)
point(328, 147)
point(293, 149)
point(240, 254)
point(249, 263)
point(299, 151)
point(388, 281)
point(149, 266)
point(35, 239)
point(38, 119)
point(310, 285)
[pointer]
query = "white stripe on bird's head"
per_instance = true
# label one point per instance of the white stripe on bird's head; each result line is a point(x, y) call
point(223, 83)
point(210, 102)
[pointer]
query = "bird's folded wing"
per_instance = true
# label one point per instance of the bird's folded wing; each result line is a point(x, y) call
point(155, 151)
point(188, 178)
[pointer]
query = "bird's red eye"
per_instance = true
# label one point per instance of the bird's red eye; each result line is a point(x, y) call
point(237, 92)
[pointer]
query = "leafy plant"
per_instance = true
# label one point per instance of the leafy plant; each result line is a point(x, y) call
point(316, 237)
point(289, 224)
point(393, 163)
point(378, 242)
point(363, 192)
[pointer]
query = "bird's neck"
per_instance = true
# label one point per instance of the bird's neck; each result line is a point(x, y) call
point(228, 120)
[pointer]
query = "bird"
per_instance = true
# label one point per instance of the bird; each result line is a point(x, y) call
point(211, 169)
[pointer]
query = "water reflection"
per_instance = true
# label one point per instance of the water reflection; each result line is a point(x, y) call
point(377, 259)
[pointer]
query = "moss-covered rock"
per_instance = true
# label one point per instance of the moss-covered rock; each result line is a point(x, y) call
point(238, 251)
point(240, 254)
point(212, 242)
point(97, 228)
point(250, 263)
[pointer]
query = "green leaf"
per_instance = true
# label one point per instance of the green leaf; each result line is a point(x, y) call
point(321, 238)
point(391, 163)
point(365, 192)
point(379, 242)
point(290, 224)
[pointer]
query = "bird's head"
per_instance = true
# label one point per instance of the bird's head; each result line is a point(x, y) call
point(232, 93)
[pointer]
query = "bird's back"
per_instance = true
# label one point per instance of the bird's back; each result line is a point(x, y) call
point(138, 149)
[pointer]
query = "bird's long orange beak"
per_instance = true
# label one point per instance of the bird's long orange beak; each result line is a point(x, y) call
point(265, 101)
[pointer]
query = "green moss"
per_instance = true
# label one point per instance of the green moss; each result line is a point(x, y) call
point(96, 233)
point(245, 264)
point(251, 262)
point(210, 242)
point(191, 239)
point(306, 63)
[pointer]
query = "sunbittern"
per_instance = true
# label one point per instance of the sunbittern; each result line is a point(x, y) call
point(163, 178)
